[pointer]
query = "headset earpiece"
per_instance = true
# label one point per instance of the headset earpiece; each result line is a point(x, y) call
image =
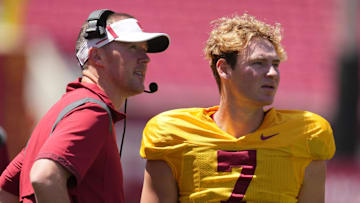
point(97, 24)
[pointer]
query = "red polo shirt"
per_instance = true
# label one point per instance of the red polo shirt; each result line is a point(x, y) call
point(82, 143)
point(9, 179)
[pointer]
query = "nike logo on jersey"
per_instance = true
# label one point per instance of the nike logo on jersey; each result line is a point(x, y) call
point(267, 137)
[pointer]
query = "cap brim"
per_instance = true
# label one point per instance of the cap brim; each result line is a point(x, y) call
point(157, 42)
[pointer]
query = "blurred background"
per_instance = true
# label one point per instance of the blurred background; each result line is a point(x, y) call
point(321, 37)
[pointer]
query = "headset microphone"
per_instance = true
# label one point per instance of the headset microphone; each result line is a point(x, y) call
point(153, 88)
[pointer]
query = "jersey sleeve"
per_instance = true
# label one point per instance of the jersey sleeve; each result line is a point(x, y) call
point(321, 142)
point(78, 139)
point(161, 141)
point(9, 179)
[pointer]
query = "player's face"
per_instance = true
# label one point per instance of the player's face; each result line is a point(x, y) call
point(256, 75)
point(126, 64)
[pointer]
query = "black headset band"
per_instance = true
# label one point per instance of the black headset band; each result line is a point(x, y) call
point(97, 24)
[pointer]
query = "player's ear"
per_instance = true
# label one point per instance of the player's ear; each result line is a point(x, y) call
point(223, 68)
point(95, 57)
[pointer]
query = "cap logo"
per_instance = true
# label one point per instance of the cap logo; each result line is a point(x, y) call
point(140, 25)
point(112, 32)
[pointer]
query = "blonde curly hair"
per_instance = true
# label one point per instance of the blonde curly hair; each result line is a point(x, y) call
point(232, 35)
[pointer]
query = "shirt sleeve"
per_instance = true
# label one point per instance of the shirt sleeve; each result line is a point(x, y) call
point(161, 142)
point(321, 142)
point(9, 179)
point(78, 139)
point(4, 157)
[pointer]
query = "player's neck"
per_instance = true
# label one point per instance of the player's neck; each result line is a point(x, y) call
point(238, 120)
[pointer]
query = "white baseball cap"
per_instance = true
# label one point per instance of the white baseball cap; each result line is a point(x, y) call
point(126, 30)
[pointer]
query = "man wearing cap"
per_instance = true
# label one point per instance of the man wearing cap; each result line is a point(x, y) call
point(72, 154)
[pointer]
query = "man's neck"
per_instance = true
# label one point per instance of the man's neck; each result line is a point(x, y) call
point(238, 120)
point(114, 97)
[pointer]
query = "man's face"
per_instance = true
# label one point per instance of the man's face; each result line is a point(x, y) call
point(256, 76)
point(126, 64)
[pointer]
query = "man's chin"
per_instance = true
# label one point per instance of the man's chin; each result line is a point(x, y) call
point(267, 102)
point(136, 92)
point(139, 90)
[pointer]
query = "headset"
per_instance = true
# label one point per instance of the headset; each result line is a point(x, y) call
point(153, 88)
point(97, 24)
point(97, 29)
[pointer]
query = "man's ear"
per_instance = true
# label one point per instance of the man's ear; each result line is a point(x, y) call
point(95, 57)
point(223, 68)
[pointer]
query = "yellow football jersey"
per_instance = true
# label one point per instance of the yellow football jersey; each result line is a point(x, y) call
point(211, 165)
